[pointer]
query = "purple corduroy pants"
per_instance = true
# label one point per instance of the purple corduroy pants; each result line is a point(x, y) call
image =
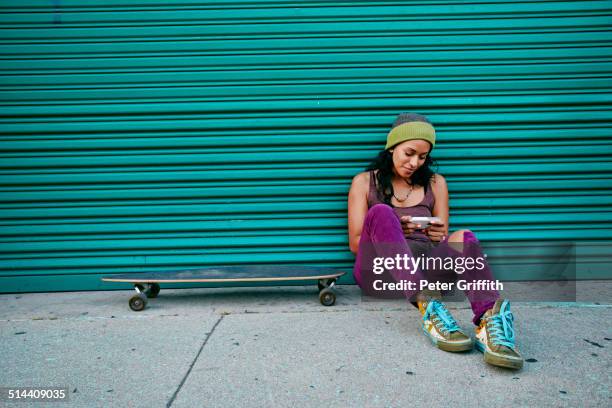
point(382, 236)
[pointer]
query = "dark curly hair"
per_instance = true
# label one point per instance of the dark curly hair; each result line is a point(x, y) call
point(384, 164)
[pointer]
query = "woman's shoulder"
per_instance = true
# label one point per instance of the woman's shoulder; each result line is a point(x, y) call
point(438, 183)
point(362, 179)
point(361, 183)
point(438, 179)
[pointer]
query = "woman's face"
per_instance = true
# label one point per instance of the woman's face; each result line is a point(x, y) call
point(408, 156)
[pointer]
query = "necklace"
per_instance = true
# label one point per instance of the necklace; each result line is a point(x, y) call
point(401, 200)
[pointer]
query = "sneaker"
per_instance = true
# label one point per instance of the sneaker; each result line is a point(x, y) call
point(495, 337)
point(441, 327)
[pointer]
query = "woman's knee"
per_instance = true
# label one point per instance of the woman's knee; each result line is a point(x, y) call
point(464, 235)
point(381, 217)
point(380, 213)
point(380, 210)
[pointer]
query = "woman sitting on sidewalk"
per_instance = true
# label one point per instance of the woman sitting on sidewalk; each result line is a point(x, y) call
point(397, 186)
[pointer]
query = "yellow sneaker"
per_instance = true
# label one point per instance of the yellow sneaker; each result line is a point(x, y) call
point(495, 337)
point(441, 327)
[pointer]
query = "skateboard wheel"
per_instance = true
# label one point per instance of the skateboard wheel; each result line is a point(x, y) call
point(154, 291)
point(327, 297)
point(138, 302)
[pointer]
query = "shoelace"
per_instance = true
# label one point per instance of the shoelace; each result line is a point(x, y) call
point(445, 321)
point(501, 326)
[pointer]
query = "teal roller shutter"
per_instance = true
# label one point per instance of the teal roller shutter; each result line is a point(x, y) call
point(152, 136)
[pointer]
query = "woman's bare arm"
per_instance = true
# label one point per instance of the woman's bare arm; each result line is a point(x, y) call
point(357, 208)
point(440, 210)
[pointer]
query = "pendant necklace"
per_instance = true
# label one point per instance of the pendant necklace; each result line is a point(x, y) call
point(407, 194)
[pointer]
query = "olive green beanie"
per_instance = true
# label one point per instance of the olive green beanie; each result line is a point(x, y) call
point(411, 126)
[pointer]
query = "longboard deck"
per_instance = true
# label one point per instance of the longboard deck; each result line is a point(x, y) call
point(254, 273)
point(146, 284)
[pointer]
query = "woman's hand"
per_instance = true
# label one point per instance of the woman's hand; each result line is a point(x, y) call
point(436, 231)
point(407, 226)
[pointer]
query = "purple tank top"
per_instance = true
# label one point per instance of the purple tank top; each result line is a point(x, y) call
point(422, 209)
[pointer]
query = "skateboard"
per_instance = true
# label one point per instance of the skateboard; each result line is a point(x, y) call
point(147, 286)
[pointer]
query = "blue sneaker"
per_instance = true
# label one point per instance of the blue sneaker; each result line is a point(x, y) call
point(441, 327)
point(495, 337)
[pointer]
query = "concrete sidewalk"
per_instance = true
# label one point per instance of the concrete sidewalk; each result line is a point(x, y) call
point(278, 347)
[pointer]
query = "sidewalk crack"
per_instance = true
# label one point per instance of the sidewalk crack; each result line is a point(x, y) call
point(169, 404)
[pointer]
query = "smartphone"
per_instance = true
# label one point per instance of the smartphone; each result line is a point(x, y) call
point(424, 222)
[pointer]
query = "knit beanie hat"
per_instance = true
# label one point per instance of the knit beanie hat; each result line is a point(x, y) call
point(411, 126)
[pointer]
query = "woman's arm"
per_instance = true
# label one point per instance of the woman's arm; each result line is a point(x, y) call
point(357, 208)
point(440, 210)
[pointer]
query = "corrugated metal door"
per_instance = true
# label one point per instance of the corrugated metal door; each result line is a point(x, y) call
point(145, 135)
